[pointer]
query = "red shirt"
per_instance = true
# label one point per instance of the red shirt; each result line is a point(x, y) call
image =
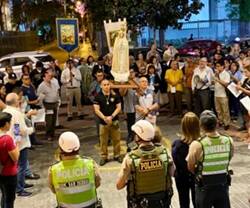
point(6, 145)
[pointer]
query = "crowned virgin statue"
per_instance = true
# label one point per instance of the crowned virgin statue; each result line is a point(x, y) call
point(120, 61)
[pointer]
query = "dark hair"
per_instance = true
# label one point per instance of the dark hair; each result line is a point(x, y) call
point(89, 58)
point(70, 61)
point(208, 121)
point(17, 90)
point(138, 55)
point(100, 58)
point(242, 52)
point(1, 85)
point(99, 71)
point(236, 63)
point(151, 66)
point(221, 62)
point(151, 59)
point(39, 64)
point(23, 68)
point(25, 75)
point(62, 153)
point(8, 66)
point(44, 71)
point(176, 56)
point(4, 118)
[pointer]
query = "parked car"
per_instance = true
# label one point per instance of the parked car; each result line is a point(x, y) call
point(18, 59)
point(190, 46)
point(243, 41)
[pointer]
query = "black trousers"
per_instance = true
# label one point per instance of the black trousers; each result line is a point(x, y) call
point(150, 201)
point(214, 196)
point(50, 118)
point(202, 101)
point(184, 186)
point(8, 189)
point(175, 101)
point(130, 123)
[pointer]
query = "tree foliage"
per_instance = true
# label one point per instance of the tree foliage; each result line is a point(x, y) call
point(42, 11)
point(2, 3)
point(158, 14)
point(238, 9)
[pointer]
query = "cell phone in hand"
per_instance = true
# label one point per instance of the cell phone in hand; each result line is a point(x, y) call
point(17, 133)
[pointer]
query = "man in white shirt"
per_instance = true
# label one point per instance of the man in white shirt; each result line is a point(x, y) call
point(146, 105)
point(20, 132)
point(222, 79)
point(71, 78)
point(201, 83)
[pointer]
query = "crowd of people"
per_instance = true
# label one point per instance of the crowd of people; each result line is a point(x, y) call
point(195, 84)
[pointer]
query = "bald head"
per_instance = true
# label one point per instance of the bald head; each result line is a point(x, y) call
point(12, 99)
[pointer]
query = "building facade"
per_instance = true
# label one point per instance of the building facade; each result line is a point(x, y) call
point(211, 23)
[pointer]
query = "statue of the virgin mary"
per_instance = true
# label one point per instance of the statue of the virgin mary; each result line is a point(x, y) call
point(120, 61)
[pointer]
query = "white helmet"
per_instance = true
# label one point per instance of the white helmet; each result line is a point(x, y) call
point(144, 129)
point(69, 142)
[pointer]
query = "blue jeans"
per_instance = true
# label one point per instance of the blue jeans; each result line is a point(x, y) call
point(22, 166)
point(28, 171)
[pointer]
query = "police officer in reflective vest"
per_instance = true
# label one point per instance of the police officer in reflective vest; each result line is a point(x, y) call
point(146, 171)
point(73, 179)
point(209, 159)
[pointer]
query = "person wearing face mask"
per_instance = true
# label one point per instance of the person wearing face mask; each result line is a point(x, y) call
point(36, 74)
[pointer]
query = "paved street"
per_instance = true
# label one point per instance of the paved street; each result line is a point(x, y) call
point(43, 157)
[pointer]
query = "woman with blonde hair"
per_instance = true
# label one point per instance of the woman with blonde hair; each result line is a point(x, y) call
point(185, 180)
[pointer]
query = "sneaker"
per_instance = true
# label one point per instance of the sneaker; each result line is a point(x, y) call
point(103, 162)
point(33, 176)
point(26, 185)
point(243, 128)
point(81, 117)
point(69, 118)
point(37, 143)
point(32, 148)
point(24, 193)
point(50, 139)
point(119, 159)
point(60, 127)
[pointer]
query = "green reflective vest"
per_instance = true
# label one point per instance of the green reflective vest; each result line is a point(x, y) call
point(216, 156)
point(149, 171)
point(74, 183)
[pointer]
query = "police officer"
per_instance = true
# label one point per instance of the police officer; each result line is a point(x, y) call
point(146, 171)
point(208, 159)
point(74, 179)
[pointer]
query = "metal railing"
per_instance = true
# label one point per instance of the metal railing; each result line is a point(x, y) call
point(222, 30)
